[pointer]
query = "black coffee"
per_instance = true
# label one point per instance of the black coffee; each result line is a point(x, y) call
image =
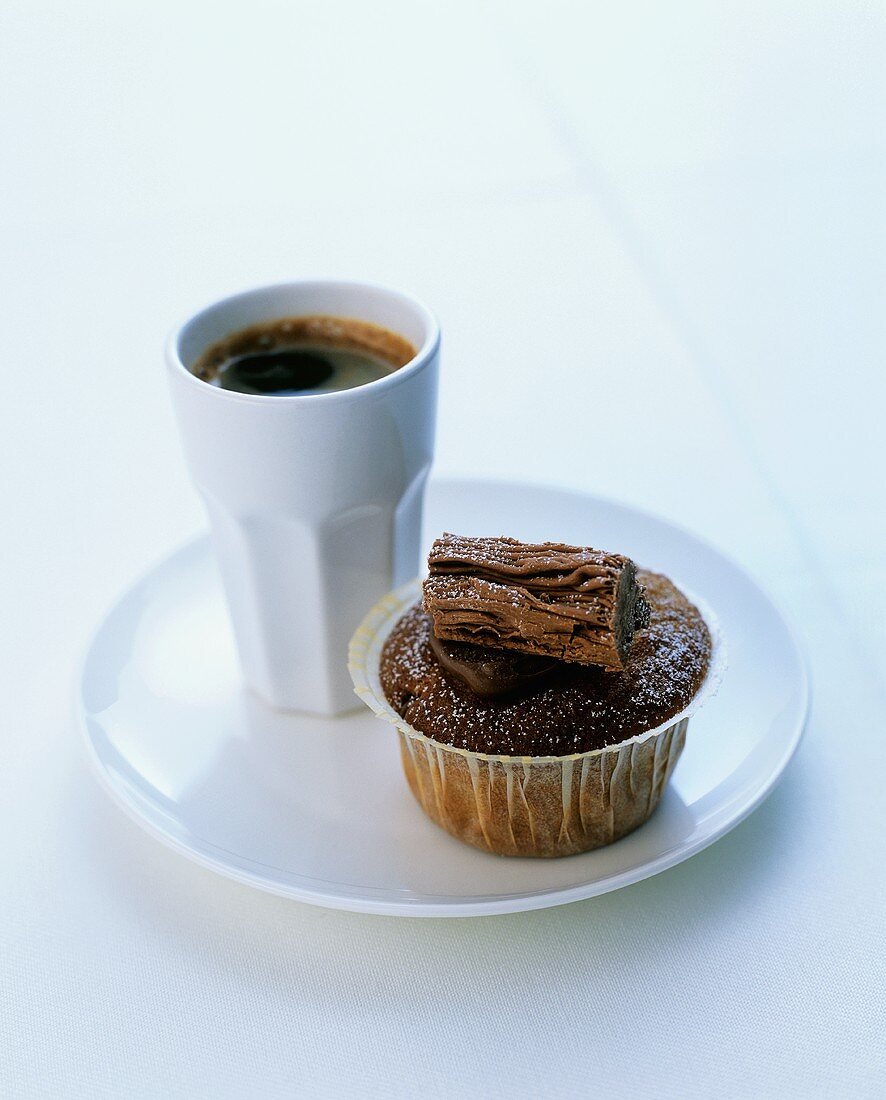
point(302, 369)
point(303, 355)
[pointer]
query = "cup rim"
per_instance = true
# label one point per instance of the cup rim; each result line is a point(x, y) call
point(358, 393)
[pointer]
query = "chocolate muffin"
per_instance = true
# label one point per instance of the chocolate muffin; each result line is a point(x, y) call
point(541, 707)
point(521, 754)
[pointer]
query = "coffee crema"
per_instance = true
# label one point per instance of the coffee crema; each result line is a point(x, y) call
point(302, 356)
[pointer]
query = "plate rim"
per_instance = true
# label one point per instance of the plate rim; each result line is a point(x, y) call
point(424, 905)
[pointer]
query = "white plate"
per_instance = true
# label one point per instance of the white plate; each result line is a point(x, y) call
point(317, 809)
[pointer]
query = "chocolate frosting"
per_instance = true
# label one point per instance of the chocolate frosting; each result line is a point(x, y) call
point(491, 673)
point(567, 602)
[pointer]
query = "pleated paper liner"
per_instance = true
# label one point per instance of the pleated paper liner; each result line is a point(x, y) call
point(529, 805)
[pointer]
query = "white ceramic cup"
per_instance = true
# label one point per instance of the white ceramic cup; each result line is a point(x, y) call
point(315, 501)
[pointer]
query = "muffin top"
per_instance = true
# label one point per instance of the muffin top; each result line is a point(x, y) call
point(564, 709)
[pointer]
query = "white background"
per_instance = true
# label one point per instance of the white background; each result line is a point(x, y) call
point(655, 239)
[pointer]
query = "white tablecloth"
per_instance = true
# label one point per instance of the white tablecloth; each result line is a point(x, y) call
point(655, 239)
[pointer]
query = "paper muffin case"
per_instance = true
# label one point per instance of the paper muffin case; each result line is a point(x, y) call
point(528, 805)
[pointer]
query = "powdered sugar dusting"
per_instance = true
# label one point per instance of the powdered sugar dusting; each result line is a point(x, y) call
point(584, 708)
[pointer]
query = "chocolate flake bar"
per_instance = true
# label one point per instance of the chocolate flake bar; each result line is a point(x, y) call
point(568, 602)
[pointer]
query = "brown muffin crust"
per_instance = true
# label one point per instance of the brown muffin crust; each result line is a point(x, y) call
point(581, 709)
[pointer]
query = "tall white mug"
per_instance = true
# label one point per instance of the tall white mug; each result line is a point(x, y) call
point(315, 501)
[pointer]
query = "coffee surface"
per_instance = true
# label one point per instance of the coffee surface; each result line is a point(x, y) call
point(302, 356)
